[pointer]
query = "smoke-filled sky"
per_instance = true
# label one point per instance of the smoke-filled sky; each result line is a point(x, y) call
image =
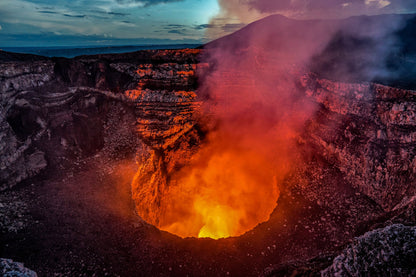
point(132, 22)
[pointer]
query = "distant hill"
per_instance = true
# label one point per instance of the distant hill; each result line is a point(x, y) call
point(6, 56)
point(71, 52)
point(378, 48)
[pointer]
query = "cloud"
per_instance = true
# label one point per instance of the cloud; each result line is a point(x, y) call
point(99, 17)
point(74, 15)
point(145, 3)
point(305, 6)
point(103, 14)
point(118, 13)
point(27, 17)
point(218, 28)
point(228, 27)
point(180, 29)
point(249, 10)
point(205, 26)
point(231, 27)
point(125, 23)
point(48, 12)
point(175, 26)
point(180, 32)
point(377, 3)
point(0, 28)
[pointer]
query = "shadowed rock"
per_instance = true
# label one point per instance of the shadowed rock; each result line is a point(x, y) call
point(9, 268)
point(389, 251)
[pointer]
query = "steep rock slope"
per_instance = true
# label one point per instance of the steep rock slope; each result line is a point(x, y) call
point(10, 268)
point(62, 107)
point(369, 133)
point(388, 251)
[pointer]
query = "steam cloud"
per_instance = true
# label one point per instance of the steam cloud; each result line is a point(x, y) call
point(145, 3)
point(252, 92)
point(255, 108)
point(246, 9)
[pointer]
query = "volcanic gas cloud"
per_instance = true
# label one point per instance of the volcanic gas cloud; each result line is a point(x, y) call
point(252, 112)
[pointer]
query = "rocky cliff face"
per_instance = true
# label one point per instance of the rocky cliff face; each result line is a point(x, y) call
point(368, 131)
point(10, 268)
point(57, 112)
point(62, 108)
point(388, 251)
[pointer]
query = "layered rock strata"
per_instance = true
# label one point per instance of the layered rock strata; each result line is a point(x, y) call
point(52, 109)
point(368, 131)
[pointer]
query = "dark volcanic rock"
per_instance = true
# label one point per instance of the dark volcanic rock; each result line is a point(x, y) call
point(155, 168)
point(19, 160)
point(390, 251)
point(52, 108)
point(369, 132)
point(8, 268)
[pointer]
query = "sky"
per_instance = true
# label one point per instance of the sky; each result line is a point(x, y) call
point(103, 22)
point(138, 22)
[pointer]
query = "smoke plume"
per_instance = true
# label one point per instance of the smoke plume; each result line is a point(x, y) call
point(254, 107)
point(247, 10)
point(252, 93)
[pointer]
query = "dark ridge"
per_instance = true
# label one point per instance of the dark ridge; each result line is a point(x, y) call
point(280, 23)
point(353, 54)
point(146, 56)
point(71, 52)
point(18, 57)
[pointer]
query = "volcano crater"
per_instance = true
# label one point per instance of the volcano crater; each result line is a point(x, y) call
point(351, 170)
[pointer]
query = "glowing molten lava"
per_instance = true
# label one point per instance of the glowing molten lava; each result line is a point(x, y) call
point(221, 195)
point(223, 182)
point(224, 190)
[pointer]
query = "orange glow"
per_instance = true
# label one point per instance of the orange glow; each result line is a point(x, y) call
point(225, 182)
point(221, 193)
point(227, 196)
point(186, 73)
